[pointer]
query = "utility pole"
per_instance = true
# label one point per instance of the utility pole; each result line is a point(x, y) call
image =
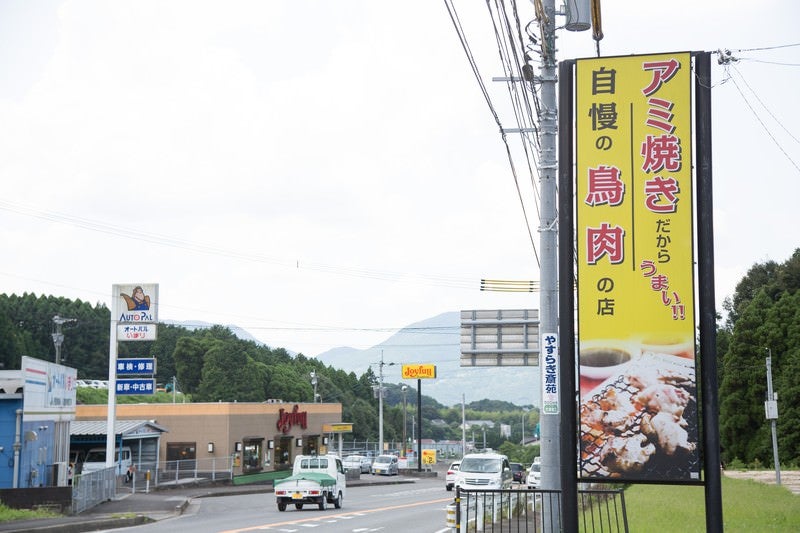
point(58, 337)
point(404, 388)
point(771, 409)
point(548, 239)
point(463, 426)
point(380, 403)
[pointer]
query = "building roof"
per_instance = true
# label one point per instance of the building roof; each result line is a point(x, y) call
point(121, 427)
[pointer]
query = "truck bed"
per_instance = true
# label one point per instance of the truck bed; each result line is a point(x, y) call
point(323, 480)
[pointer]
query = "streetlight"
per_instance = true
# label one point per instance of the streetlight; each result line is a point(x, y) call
point(58, 337)
point(404, 388)
point(524, 414)
point(314, 382)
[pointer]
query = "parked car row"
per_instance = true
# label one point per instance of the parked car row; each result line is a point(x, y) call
point(92, 383)
point(362, 463)
point(386, 465)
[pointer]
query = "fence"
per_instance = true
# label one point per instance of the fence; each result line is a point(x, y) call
point(96, 487)
point(535, 511)
point(167, 473)
point(93, 488)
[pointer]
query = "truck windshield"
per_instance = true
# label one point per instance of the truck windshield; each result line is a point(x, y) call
point(314, 463)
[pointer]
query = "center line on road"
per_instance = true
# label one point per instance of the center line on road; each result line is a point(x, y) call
point(309, 522)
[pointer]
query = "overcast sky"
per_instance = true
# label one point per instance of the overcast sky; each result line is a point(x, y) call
point(323, 173)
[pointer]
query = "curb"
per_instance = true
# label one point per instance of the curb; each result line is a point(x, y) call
point(84, 525)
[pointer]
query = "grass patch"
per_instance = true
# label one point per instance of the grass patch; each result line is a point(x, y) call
point(7, 514)
point(746, 506)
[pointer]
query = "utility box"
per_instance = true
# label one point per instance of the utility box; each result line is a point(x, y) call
point(771, 409)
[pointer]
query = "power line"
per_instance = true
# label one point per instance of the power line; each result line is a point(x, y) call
point(758, 118)
point(476, 72)
point(174, 242)
point(776, 119)
point(761, 49)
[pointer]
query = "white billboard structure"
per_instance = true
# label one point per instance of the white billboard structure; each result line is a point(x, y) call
point(500, 337)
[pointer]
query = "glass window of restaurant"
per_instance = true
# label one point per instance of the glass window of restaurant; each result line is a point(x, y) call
point(252, 450)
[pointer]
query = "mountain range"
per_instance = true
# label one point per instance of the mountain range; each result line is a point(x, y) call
point(437, 341)
point(434, 341)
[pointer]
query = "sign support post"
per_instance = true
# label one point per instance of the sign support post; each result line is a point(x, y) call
point(112, 388)
point(135, 305)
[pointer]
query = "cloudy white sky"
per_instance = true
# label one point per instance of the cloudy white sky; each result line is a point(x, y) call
point(323, 173)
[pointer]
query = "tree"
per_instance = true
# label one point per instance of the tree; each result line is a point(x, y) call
point(764, 313)
point(284, 382)
point(188, 357)
point(230, 375)
point(742, 430)
point(364, 418)
point(786, 363)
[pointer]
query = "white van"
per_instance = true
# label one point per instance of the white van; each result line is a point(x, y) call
point(484, 471)
point(96, 460)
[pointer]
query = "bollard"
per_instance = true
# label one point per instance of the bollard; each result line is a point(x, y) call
point(147, 482)
point(451, 516)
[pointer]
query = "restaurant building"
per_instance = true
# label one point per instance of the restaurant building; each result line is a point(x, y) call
point(258, 436)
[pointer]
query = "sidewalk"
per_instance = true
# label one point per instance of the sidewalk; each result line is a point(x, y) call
point(130, 509)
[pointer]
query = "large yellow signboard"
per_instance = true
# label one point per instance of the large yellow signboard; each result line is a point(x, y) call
point(634, 226)
point(634, 197)
point(419, 371)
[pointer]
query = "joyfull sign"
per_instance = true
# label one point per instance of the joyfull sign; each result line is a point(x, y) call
point(419, 371)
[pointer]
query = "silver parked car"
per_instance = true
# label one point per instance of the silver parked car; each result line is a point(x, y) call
point(361, 463)
point(386, 465)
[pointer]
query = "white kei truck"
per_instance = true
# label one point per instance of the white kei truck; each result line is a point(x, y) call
point(318, 479)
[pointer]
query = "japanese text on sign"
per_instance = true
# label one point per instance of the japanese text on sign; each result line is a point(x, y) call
point(134, 366)
point(635, 258)
point(549, 372)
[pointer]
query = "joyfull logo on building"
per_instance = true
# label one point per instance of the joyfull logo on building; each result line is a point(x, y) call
point(287, 419)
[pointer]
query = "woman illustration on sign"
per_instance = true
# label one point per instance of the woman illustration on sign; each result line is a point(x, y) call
point(138, 301)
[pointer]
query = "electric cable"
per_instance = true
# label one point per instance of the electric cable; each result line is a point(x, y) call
point(473, 65)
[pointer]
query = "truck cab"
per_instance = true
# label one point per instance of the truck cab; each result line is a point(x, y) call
point(316, 479)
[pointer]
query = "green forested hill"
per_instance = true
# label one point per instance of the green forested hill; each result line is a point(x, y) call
point(213, 364)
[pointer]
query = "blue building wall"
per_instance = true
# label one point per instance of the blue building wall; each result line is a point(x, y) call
point(36, 451)
point(36, 456)
point(8, 423)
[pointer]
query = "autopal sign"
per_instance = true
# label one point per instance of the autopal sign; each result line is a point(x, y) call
point(135, 303)
point(136, 331)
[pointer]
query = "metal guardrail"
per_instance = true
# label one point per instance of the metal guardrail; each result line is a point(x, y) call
point(524, 510)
